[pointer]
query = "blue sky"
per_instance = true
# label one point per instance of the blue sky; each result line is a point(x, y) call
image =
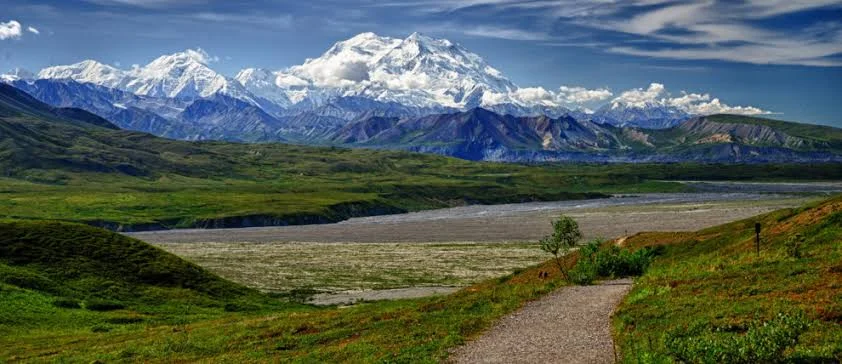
point(784, 56)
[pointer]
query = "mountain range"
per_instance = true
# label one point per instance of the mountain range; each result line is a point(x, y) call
point(34, 135)
point(418, 93)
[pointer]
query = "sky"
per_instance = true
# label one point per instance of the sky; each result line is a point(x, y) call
point(781, 56)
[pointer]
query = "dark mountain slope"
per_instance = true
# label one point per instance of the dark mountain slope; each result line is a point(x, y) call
point(479, 133)
point(225, 118)
point(743, 131)
point(15, 103)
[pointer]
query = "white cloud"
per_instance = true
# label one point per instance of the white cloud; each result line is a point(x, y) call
point(639, 97)
point(33, 30)
point(573, 96)
point(580, 95)
point(534, 95)
point(403, 81)
point(693, 103)
point(10, 30)
point(337, 72)
point(199, 55)
point(285, 80)
point(493, 98)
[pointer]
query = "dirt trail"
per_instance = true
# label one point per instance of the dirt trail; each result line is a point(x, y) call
point(571, 325)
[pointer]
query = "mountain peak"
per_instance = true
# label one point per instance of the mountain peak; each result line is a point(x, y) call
point(87, 71)
point(16, 74)
point(417, 37)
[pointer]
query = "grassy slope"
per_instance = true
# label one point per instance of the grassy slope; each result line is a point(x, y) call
point(61, 280)
point(714, 276)
point(296, 181)
point(176, 311)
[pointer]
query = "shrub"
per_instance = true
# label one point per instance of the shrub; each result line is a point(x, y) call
point(66, 303)
point(610, 261)
point(102, 305)
point(240, 307)
point(763, 342)
point(793, 245)
point(583, 273)
point(124, 320)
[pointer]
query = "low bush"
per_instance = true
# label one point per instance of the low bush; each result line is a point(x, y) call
point(793, 245)
point(763, 342)
point(66, 303)
point(124, 320)
point(240, 307)
point(597, 259)
point(583, 273)
point(102, 305)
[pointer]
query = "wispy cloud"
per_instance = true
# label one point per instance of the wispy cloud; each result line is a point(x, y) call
point(702, 30)
point(268, 20)
point(148, 3)
point(712, 30)
point(501, 33)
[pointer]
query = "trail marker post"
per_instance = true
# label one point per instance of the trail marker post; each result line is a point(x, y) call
point(757, 237)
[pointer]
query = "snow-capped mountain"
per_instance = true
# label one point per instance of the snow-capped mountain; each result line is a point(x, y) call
point(182, 75)
point(87, 71)
point(650, 115)
point(16, 74)
point(367, 76)
point(418, 71)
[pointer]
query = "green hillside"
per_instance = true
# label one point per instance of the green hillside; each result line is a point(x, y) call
point(59, 279)
point(711, 299)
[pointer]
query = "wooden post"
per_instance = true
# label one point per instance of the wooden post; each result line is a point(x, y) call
point(757, 237)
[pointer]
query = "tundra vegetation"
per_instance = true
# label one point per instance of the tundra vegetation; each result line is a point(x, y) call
point(76, 293)
point(709, 298)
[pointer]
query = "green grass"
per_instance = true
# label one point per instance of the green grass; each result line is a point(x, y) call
point(709, 297)
point(284, 193)
point(164, 309)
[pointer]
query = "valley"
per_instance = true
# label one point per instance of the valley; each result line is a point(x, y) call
point(440, 248)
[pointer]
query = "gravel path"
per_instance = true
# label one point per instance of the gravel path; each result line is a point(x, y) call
point(571, 325)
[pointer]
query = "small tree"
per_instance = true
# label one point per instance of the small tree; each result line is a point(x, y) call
point(793, 245)
point(564, 237)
